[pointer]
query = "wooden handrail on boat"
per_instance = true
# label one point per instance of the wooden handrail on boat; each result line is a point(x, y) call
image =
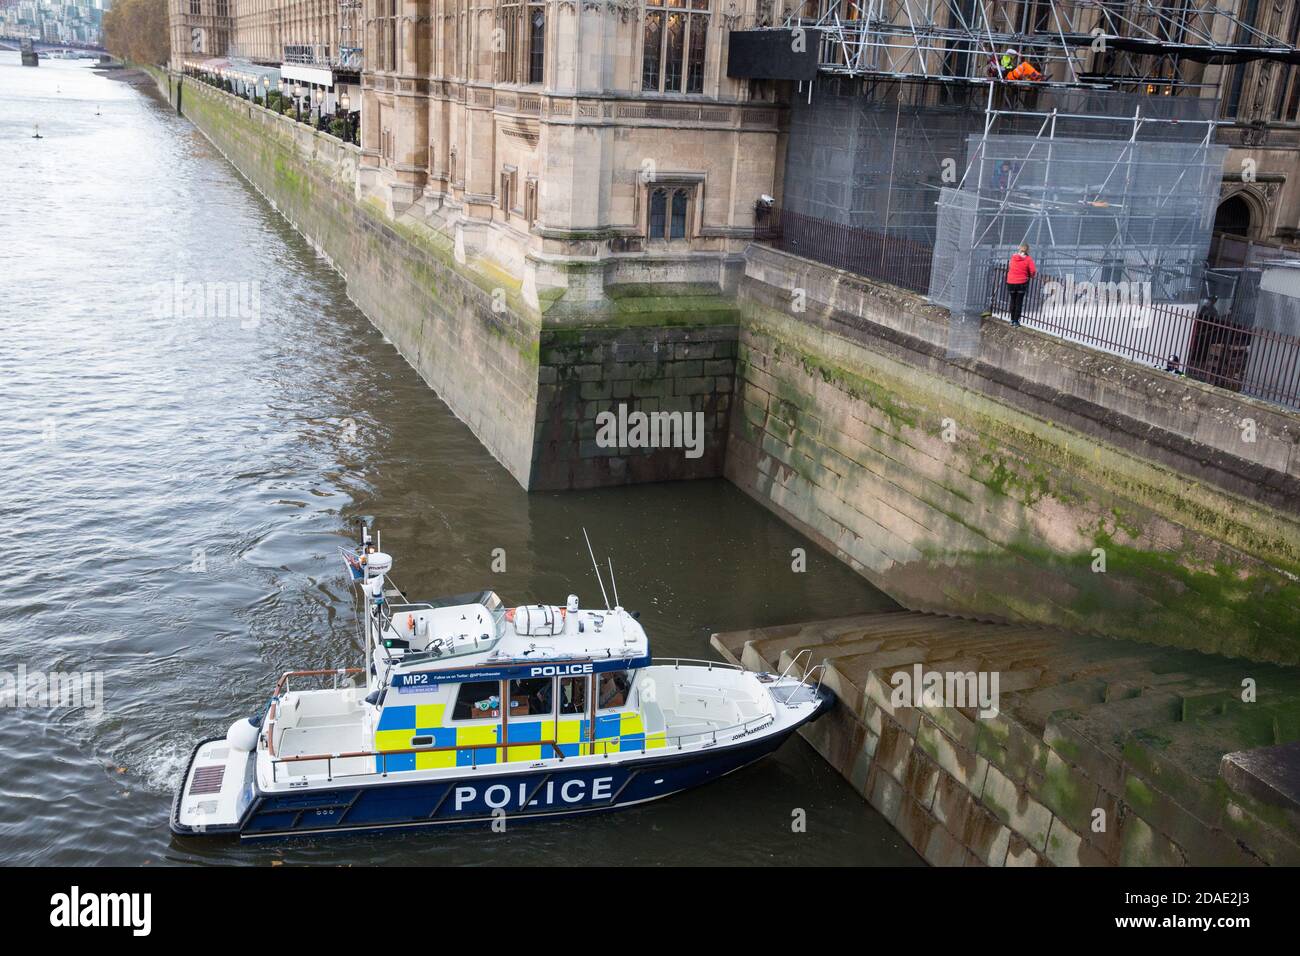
point(496, 745)
point(330, 758)
point(761, 720)
point(326, 672)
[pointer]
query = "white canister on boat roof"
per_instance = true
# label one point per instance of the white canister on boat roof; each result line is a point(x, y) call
point(377, 563)
point(538, 620)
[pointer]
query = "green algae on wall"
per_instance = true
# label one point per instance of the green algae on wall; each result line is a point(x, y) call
point(482, 362)
point(1016, 517)
point(466, 328)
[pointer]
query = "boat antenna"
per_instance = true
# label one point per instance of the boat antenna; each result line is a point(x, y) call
point(596, 566)
point(612, 583)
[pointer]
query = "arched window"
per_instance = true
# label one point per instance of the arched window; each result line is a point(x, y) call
point(522, 56)
point(669, 211)
point(673, 45)
point(677, 224)
point(536, 41)
point(658, 212)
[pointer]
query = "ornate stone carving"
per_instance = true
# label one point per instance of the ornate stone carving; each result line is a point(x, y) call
point(1256, 134)
point(624, 9)
point(523, 134)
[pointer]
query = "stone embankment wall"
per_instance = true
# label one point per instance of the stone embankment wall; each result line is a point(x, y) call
point(528, 385)
point(1016, 478)
point(1019, 478)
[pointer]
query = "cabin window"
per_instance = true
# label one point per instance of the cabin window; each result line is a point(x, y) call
point(531, 697)
point(614, 688)
point(573, 695)
point(478, 699)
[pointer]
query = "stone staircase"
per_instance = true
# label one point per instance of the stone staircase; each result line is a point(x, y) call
point(1100, 752)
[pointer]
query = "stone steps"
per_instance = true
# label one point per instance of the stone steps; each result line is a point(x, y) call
point(1100, 752)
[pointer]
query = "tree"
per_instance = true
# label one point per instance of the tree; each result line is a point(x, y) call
point(136, 31)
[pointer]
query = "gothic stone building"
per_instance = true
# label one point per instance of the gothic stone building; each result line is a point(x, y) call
point(585, 143)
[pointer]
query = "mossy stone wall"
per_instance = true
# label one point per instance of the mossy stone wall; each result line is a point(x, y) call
point(953, 492)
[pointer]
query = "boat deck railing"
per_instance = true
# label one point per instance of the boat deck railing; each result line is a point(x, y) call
point(594, 747)
point(693, 662)
point(702, 739)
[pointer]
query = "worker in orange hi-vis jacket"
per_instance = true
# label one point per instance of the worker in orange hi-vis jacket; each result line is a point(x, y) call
point(1024, 71)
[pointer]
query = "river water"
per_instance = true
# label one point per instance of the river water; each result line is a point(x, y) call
point(174, 489)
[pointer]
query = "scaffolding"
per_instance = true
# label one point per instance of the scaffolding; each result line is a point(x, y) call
point(1115, 213)
point(875, 154)
point(911, 101)
point(1114, 43)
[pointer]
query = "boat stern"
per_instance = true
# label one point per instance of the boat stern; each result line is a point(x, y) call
point(215, 792)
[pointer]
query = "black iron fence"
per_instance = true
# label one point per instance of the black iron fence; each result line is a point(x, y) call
point(866, 252)
point(1221, 346)
point(1188, 338)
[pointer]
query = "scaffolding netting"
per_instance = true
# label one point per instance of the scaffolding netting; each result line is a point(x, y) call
point(1092, 211)
point(874, 155)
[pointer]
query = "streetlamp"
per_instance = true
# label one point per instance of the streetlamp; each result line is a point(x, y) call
point(316, 101)
point(266, 90)
point(345, 107)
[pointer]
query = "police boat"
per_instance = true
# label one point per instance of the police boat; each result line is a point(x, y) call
point(467, 711)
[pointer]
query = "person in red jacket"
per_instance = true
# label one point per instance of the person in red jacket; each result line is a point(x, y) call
point(1020, 270)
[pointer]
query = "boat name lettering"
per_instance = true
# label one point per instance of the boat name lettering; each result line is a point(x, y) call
point(501, 796)
point(560, 670)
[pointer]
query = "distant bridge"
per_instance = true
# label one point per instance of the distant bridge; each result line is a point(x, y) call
point(11, 43)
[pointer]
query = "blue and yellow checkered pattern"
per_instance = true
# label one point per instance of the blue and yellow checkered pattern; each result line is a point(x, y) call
point(621, 732)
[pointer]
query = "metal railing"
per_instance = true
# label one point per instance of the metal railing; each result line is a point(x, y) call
point(877, 255)
point(348, 58)
point(586, 748)
point(1180, 338)
point(694, 662)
